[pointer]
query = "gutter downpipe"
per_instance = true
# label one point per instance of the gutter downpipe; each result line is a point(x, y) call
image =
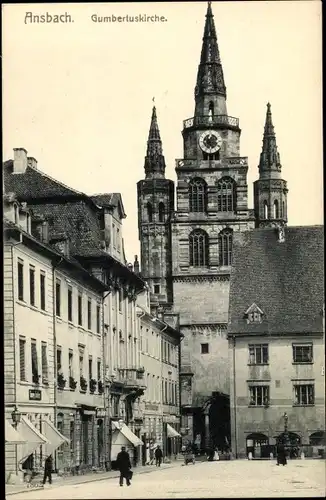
point(14, 334)
point(55, 402)
point(234, 400)
point(107, 424)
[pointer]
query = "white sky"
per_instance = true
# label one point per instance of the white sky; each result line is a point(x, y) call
point(78, 96)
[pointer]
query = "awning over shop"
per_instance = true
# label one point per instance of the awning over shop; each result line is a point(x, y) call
point(11, 435)
point(128, 434)
point(32, 436)
point(54, 437)
point(172, 433)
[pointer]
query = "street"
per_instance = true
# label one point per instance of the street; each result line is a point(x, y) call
point(238, 478)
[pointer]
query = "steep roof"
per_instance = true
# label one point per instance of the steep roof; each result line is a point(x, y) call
point(285, 280)
point(110, 200)
point(36, 182)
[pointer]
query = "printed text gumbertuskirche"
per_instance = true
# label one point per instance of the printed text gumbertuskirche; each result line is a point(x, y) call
point(141, 18)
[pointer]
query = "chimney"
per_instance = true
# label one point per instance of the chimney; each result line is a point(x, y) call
point(31, 162)
point(136, 265)
point(20, 161)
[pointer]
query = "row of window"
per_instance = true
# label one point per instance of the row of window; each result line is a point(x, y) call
point(39, 299)
point(198, 200)
point(36, 293)
point(301, 353)
point(199, 248)
point(80, 308)
point(304, 394)
point(259, 353)
point(150, 345)
point(276, 212)
point(87, 374)
point(40, 370)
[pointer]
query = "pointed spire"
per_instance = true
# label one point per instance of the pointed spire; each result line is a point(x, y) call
point(269, 157)
point(154, 160)
point(210, 78)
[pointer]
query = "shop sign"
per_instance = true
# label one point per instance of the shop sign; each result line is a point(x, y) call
point(35, 395)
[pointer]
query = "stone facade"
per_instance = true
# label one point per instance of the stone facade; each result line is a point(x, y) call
point(190, 259)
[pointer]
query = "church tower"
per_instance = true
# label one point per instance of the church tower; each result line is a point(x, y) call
point(211, 205)
point(270, 190)
point(155, 206)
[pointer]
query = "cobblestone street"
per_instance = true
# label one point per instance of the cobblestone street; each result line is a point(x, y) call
point(249, 479)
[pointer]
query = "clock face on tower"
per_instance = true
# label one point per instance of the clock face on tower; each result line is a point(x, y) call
point(210, 141)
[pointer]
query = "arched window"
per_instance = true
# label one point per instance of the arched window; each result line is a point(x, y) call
point(161, 212)
point(226, 195)
point(197, 195)
point(225, 246)
point(283, 210)
point(276, 212)
point(265, 210)
point(198, 248)
point(210, 111)
point(149, 212)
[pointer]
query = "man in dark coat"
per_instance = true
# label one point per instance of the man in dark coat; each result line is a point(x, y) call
point(48, 469)
point(158, 456)
point(281, 454)
point(124, 466)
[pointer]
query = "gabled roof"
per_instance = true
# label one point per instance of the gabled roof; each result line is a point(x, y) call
point(110, 200)
point(285, 279)
point(34, 181)
point(253, 308)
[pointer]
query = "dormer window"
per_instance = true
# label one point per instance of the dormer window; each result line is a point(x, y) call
point(254, 314)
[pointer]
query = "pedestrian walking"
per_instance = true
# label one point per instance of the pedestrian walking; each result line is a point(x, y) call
point(158, 456)
point(281, 454)
point(124, 466)
point(48, 469)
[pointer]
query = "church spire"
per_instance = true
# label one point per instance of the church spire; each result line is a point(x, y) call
point(269, 157)
point(154, 159)
point(210, 78)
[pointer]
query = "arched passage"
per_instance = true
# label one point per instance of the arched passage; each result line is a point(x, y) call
point(258, 444)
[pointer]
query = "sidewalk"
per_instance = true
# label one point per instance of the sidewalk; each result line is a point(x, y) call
point(12, 489)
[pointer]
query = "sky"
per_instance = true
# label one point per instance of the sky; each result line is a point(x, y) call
point(78, 96)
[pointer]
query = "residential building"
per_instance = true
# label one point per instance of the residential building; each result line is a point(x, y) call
point(160, 404)
point(88, 230)
point(186, 244)
point(277, 341)
point(42, 338)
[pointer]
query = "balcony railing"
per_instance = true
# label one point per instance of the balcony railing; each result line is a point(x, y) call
point(241, 161)
point(130, 376)
point(211, 121)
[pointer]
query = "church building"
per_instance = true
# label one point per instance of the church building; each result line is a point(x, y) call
point(186, 233)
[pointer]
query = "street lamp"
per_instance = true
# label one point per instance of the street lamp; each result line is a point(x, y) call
point(16, 416)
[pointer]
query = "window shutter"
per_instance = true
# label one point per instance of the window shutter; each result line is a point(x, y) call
point(22, 345)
